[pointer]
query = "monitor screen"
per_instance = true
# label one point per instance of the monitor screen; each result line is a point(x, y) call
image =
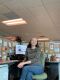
point(21, 49)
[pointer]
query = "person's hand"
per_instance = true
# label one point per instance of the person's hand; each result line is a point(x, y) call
point(20, 65)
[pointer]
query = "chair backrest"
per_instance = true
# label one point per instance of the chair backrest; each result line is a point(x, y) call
point(42, 59)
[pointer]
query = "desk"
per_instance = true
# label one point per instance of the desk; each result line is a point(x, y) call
point(55, 67)
point(4, 69)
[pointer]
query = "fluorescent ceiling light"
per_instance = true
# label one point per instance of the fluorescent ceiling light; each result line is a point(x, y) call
point(43, 39)
point(14, 22)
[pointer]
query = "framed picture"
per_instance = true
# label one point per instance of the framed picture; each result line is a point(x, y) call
point(56, 47)
point(51, 46)
point(0, 41)
point(10, 44)
point(5, 43)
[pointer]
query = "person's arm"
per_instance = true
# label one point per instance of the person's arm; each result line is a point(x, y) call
point(25, 61)
point(21, 64)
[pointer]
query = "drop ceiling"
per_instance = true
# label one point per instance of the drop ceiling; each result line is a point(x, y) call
point(42, 16)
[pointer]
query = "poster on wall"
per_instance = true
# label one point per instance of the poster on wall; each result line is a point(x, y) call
point(56, 47)
point(0, 42)
point(51, 46)
point(5, 43)
point(9, 44)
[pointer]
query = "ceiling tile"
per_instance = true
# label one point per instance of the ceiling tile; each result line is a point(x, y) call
point(3, 9)
point(53, 9)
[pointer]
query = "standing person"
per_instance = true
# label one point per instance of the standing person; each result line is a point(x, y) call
point(34, 67)
point(18, 39)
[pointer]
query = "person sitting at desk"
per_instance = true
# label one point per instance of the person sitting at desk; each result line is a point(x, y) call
point(34, 67)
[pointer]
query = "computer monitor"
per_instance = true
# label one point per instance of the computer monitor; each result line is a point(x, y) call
point(21, 49)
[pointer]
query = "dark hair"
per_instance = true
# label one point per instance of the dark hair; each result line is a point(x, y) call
point(29, 45)
point(18, 39)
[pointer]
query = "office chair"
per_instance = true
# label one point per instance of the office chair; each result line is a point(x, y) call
point(42, 76)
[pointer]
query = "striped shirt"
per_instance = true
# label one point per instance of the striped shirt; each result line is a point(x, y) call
point(33, 55)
